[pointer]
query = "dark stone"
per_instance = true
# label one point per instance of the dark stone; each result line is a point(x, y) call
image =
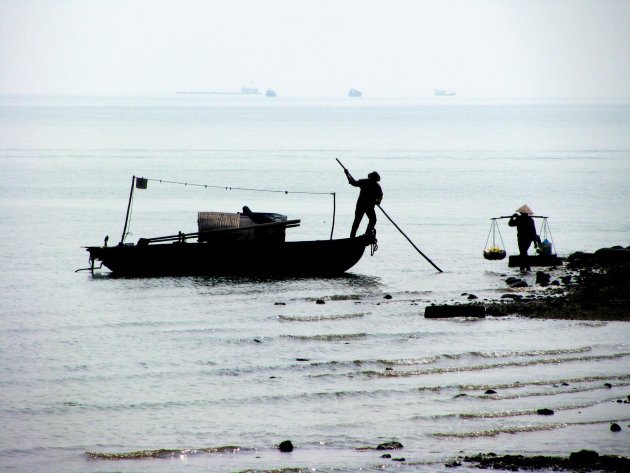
point(456, 310)
point(584, 457)
point(566, 279)
point(389, 446)
point(453, 464)
point(386, 455)
point(387, 296)
point(614, 427)
point(518, 284)
point(401, 459)
point(511, 280)
point(490, 391)
point(608, 385)
point(543, 278)
point(320, 301)
point(285, 446)
point(545, 412)
point(280, 303)
point(472, 297)
point(257, 341)
point(511, 296)
point(302, 359)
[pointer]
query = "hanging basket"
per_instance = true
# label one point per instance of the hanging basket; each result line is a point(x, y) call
point(494, 254)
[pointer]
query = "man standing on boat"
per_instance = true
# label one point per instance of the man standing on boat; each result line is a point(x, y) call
point(525, 233)
point(370, 195)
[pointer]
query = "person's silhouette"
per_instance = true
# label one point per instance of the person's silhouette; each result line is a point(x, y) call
point(525, 233)
point(370, 195)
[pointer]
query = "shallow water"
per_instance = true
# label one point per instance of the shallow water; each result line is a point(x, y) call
point(116, 365)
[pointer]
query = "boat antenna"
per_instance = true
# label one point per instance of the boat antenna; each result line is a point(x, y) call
point(124, 233)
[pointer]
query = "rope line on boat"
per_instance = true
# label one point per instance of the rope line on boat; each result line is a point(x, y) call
point(229, 188)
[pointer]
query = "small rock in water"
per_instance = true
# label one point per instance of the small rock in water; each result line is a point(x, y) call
point(285, 446)
point(490, 391)
point(519, 283)
point(472, 296)
point(389, 446)
point(608, 385)
point(280, 303)
point(614, 427)
point(386, 455)
point(320, 301)
point(387, 296)
point(542, 278)
point(402, 459)
point(545, 412)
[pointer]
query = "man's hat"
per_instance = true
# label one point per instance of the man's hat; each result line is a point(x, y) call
point(374, 176)
point(524, 209)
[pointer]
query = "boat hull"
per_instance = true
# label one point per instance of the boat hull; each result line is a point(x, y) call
point(300, 258)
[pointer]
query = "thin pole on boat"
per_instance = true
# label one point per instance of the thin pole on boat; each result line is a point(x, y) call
point(334, 211)
point(398, 228)
point(122, 238)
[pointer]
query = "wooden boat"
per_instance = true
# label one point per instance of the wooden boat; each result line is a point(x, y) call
point(220, 256)
point(230, 244)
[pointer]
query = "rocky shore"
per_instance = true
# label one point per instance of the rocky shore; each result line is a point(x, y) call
point(584, 460)
point(589, 286)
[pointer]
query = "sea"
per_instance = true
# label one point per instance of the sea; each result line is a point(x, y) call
point(210, 374)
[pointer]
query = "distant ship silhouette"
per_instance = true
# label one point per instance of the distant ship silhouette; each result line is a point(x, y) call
point(443, 92)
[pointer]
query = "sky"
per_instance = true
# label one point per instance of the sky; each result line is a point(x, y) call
point(387, 48)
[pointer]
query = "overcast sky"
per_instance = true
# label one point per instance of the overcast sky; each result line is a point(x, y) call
point(388, 48)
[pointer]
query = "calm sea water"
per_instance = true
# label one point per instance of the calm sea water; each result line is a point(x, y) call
point(98, 364)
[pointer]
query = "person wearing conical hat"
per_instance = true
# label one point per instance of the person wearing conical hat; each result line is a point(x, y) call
point(525, 233)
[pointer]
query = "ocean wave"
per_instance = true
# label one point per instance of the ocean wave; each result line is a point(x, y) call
point(333, 337)
point(528, 412)
point(520, 384)
point(566, 351)
point(319, 318)
point(459, 369)
point(385, 362)
point(336, 297)
point(520, 429)
point(503, 430)
point(555, 392)
point(160, 453)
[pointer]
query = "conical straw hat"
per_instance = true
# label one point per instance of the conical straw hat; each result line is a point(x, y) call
point(524, 209)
